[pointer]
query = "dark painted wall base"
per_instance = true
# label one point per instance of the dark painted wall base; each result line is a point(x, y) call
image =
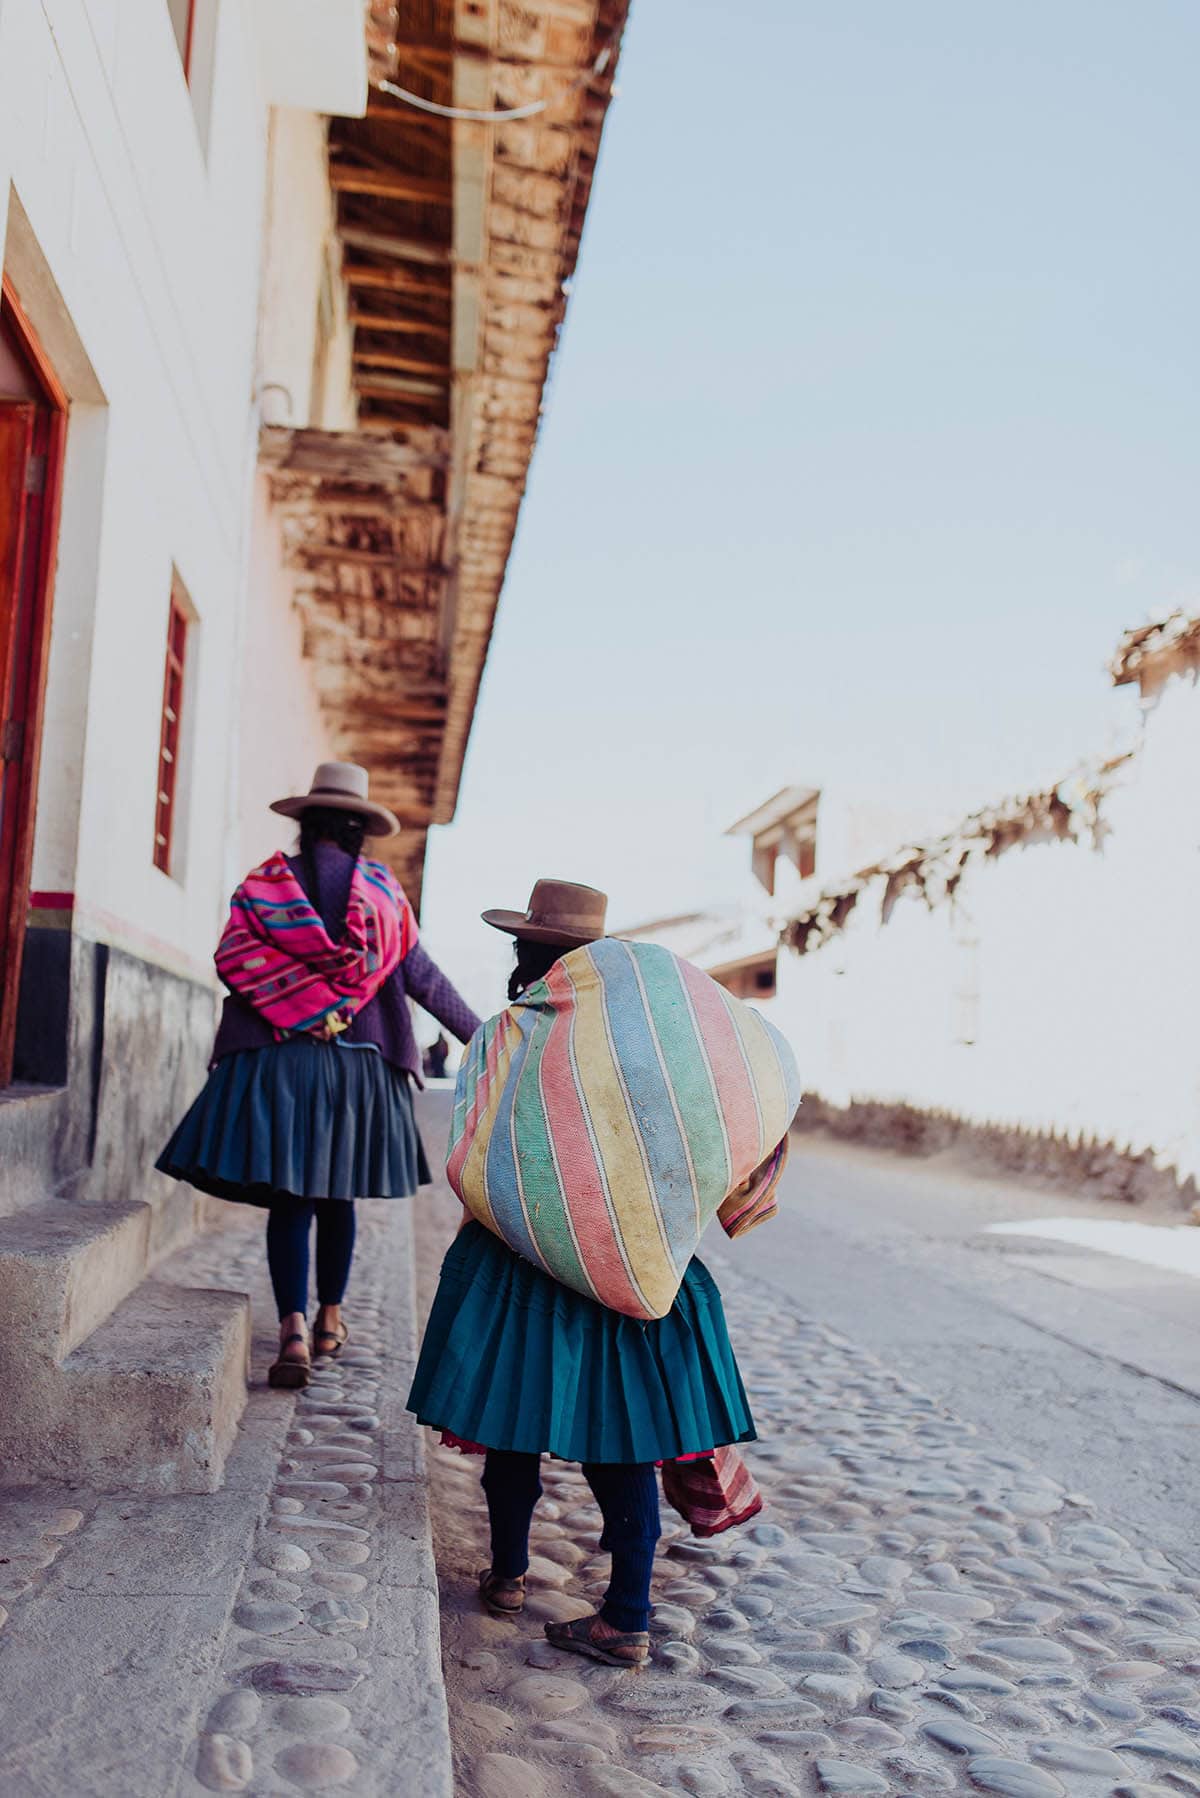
point(114, 1049)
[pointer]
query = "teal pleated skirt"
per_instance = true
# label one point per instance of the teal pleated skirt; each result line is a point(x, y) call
point(313, 1120)
point(512, 1360)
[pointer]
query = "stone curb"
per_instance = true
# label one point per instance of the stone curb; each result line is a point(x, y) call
point(408, 1643)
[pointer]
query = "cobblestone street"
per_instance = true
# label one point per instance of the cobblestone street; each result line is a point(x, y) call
point(915, 1612)
point(919, 1610)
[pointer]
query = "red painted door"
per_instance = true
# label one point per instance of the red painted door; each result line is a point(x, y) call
point(31, 442)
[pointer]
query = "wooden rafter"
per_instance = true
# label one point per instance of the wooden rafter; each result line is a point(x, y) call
point(396, 186)
point(404, 327)
point(411, 365)
point(384, 386)
point(394, 280)
point(425, 250)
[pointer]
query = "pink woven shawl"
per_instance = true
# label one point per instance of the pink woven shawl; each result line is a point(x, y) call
point(276, 953)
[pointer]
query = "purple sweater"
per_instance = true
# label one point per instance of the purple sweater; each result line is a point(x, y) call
point(385, 1022)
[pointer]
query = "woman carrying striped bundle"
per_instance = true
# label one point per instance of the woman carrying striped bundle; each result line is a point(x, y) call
point(620, 1102)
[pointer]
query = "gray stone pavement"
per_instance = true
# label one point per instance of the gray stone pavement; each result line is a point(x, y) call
point(279, 1636)
point(920, 1610)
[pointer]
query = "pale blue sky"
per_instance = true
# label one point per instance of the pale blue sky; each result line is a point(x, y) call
point(874, 424)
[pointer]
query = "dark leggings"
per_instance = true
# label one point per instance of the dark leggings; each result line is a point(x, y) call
point(628, 1498)
point(289, 1225)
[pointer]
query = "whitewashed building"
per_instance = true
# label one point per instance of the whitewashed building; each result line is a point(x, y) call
point(272, 353)
point(1029, 981)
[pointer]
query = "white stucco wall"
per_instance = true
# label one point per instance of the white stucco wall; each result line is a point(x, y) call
point(301, 246)
point(283, 735)
point(1059, 992)
point(137, 213)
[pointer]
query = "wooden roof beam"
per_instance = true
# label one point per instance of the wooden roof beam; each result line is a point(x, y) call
point(428, 251)
point(396, 112)
point(394, 280)
point(435, 50)
point(402, 387)
point(409, 365)
point(405, 327)
point(394, 185)
point(381, 424)
point(304, 553)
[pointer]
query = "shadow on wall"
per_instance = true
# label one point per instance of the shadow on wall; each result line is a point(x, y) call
point(1103, 1169)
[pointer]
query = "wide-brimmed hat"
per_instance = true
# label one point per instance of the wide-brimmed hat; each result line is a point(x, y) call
point(341, 787)
point(559, 912)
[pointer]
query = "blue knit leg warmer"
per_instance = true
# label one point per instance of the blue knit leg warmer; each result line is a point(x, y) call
point(628, 1500)
point(513, 1487)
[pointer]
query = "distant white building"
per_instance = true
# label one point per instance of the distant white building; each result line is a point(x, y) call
point(793, 837)
point(1028, 981)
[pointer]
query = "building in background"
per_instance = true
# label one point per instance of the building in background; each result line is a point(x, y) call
point(1028, 982)
point(793, 836)
point(272, 354)
point(1024, 981)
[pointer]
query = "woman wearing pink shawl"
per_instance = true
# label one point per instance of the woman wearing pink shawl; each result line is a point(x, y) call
point(308, 1102)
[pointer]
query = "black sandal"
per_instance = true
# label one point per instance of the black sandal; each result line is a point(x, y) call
point(288, 1374)
point(339, 1339)
point(502, 1597)
point(630, 1650)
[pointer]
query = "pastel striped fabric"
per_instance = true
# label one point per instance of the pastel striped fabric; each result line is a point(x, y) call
point(277, 954)
point(605, 1118)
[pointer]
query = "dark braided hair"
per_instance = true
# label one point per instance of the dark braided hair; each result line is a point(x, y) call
point(534, 962)
point(327, 824)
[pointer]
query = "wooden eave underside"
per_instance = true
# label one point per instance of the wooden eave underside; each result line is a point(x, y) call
point(457, 239)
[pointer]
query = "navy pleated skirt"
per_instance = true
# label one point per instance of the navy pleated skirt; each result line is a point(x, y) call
point(313, 1120)
point(512, 1360)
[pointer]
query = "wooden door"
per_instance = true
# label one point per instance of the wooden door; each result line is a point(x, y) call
point(32, 431)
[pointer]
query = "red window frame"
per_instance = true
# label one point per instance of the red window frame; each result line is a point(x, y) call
point(186, 38)
point(170, 733)
point(189, 38)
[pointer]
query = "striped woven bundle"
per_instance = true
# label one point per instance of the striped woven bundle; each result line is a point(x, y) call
point(605, 1118)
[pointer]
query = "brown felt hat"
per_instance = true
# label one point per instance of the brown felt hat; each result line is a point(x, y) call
point(559, 912)
point(341, 787)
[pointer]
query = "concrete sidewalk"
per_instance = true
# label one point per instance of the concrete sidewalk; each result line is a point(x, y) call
point(280, 1635)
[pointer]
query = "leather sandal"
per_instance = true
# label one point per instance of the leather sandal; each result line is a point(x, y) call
point(289, 1373)
point(577, 1637)
point(339, 1338)
point(502, 1597)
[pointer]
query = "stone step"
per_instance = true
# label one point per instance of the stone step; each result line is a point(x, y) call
point(152, 1399)
point(149, 1403)
point(108, 1382)
point(64, 1267)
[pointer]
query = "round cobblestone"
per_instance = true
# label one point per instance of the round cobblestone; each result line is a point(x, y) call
point(236, 1714)
point(337, 1615)
point(845, 1779)
point(309, 1716)
point(283, 1557)
point(1013, 1779)
point(267, 1619)
point(316, 1766)
point(545, 1695)
point(224, 1764)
